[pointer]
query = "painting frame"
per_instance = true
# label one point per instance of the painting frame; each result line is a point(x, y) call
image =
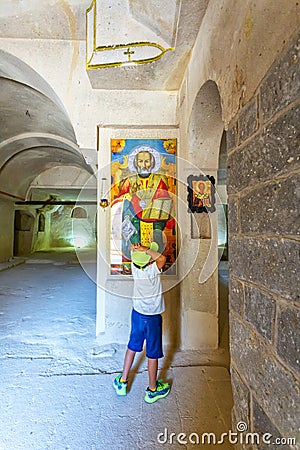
point(201, 194)
point(107, 137)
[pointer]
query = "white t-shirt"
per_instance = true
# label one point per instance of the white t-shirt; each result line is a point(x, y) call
point(147, 290)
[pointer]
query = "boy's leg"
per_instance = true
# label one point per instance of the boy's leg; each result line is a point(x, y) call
point(156, 389)
point(128, 360)
point(120, 382)
point(152, 372)
point(154, 349)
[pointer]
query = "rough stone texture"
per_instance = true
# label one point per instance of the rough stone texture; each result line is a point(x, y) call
point(22, 243)
point(24, 220)
point(270, 263)
point(282, 140)
point(263, 188)
point(272, 209)
point(248, 121)
point(280, 87)
point(288, 341)
point(231, 136)
point(236, 297)
point(260, 311)
point(241, 398)
point(262, 425)
point(233, 226)
point(241, 166)
point(273, 153)
point(275, 387)
point(6, 230)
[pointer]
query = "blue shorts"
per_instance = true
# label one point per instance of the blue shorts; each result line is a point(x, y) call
point(149, 328)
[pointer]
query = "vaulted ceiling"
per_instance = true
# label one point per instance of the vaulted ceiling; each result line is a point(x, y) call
point(35, 132)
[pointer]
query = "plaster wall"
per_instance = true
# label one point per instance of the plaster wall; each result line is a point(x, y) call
point(24, 226)
point(29, 240)
point(6, 230)
point(42, 238)
point(66, 231)
point(199, 289)
point(60, 227)
point(61, 230)
point(63, 177)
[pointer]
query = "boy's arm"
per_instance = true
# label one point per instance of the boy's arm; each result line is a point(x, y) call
point(156, 256)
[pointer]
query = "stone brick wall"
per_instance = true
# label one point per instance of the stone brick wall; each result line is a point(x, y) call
point(263, 187)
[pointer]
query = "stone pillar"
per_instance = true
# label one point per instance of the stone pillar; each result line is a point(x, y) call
point(23, 237)
point(263, 187)
point(6, 230)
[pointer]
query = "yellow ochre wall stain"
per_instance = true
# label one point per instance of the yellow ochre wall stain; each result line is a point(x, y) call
point(248, 23)
point(75, 42)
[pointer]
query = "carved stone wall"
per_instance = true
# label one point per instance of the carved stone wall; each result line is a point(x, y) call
point(263, 187)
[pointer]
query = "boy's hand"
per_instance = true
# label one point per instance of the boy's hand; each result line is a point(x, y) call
point(156, 256)
point(139, 247)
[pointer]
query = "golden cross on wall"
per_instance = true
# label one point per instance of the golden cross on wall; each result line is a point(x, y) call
point(129, 53)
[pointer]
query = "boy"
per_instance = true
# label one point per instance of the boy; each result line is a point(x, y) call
point(146, 319)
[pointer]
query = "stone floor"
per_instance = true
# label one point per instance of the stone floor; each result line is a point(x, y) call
point(56, 379)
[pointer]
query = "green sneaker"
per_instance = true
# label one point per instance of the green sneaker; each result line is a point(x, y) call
point(162, 390)
point(120, 386)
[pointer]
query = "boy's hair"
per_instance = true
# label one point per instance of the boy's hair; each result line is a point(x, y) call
point(142, 268)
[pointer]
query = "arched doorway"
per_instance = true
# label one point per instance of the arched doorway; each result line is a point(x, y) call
point(36, 135)
point(200, 309)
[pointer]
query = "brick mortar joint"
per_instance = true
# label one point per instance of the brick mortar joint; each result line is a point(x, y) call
point(284, 51)
point(275, 325)
point(283, 302)
point(268, 347)
point(291, 237)
point(242, 315)
point(252, 396)
point(263, 125)
point(258, 110)
point(251, 411)
point(242, 113)
point(240, 375)
point(267, 236)
point(280, 178)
